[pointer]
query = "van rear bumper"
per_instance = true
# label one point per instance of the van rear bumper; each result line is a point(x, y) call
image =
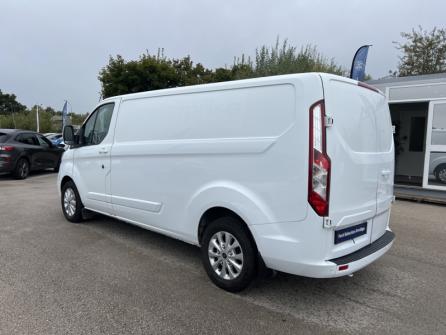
point(368, 250)
point(336, 267)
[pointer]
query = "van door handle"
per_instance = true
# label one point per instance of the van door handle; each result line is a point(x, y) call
point(385, 173)
point(103, 151)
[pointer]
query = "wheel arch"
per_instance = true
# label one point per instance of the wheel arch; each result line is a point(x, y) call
point(64, 180)
point(215, 213)
point(221, 199)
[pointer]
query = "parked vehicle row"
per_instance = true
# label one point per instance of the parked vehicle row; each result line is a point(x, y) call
point(294, 172)
point(22, 151)
point(55, 138)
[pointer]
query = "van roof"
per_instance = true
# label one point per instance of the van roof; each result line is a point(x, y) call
point(228, 85)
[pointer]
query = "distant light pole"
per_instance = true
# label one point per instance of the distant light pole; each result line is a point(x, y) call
point(37, 118)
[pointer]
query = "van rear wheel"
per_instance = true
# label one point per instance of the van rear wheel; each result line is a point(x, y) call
point(228, 254)
point(71, 202)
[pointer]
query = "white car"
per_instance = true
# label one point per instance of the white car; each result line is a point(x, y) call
point(437, 166)
point(294, 172)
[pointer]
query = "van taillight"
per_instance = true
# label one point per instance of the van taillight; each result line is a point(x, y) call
point(319, 162)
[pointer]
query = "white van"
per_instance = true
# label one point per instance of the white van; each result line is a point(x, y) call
point(294, 172)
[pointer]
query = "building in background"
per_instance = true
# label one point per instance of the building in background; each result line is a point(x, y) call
point(418, 111)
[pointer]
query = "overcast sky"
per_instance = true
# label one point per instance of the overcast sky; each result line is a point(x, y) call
point(53, 50)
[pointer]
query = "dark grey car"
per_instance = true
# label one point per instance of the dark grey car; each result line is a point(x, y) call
point(22, 151)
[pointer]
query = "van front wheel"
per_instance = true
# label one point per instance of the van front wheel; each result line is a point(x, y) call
point(71, 202)
point(228, 255)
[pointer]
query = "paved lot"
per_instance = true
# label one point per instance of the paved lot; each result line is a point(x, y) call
point(108, 277)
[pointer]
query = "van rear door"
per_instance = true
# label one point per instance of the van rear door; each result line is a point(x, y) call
point(360, 146)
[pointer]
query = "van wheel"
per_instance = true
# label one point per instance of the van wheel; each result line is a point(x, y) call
point(71, 202)
point(21, 170)
point(228, 254)
point(440, 173)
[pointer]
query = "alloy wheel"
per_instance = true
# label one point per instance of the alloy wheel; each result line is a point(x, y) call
point(225, 255)
point(69, 201)
point(24, 170)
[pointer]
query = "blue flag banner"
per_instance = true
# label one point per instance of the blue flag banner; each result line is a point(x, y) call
point(358, 65)
point(64, 114)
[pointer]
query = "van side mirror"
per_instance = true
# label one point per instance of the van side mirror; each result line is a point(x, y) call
point(68, 135)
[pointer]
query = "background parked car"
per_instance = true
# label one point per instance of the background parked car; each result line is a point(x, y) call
point(437, 166)
point(53, 137)
point(22, 151)
point(57, 140)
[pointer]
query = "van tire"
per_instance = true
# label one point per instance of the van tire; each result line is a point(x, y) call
point(69, 193)
point(247, 250)
point(440, 173)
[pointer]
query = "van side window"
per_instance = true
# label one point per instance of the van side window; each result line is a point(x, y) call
point(87, 132)
point(102, 123)
point(96, 128)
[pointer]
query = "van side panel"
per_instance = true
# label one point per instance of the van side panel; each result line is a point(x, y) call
point(239, 147)
point(252, 112)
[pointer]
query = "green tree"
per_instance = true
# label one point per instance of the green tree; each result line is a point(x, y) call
point(283, 58)
point(151, 72)
point(9, 104)
point(77, 119)
point(9, 109)
point(223, 74)
point(24, 118)
point(189, 74)
point(46, 122)
point(424, 52)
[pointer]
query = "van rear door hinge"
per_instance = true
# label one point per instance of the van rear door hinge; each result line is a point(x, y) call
point(328, 121)
point(328, 223)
